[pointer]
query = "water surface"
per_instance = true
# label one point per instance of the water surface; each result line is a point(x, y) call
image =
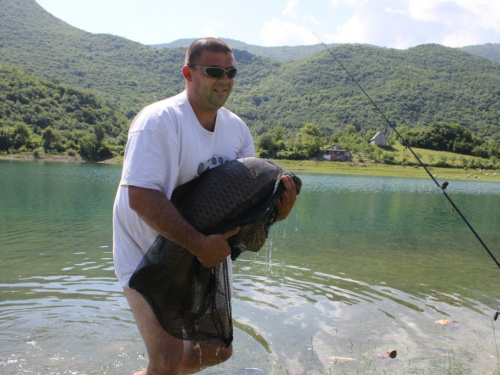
point(362, 265)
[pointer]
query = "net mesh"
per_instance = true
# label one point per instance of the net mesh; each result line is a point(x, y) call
point(192, 302)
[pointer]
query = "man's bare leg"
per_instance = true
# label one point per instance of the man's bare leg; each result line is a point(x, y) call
point(197, 357)
point(167, 354)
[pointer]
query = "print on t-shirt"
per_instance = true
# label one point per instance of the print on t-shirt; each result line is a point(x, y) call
point(213, 162)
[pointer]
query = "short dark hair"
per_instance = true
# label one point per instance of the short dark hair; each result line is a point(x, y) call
point(196, 48)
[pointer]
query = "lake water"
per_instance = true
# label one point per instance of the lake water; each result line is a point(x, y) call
point(363, 265)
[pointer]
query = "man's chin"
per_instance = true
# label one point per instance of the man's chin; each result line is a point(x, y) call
point(219, 102)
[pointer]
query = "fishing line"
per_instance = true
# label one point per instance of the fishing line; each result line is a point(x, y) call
point(407, 146)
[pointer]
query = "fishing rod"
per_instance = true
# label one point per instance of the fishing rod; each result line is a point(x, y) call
point(442, 187)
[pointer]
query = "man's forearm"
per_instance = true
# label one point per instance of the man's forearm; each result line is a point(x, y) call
point(160, 214)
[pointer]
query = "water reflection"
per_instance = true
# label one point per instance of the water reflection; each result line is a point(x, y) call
point(362, 265)
point(307, 321)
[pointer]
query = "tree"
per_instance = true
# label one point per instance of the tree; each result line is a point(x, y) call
point(99, 132)
point(279, 133)
point(49, 138)
point(21, 135)
point(310, 129)
point(5, 138)
point(310, 140)
point(266, 142)
point(387, 158)
point(88, 146)
point(443, 161)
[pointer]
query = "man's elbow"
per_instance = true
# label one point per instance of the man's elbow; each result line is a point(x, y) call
point(136, 196)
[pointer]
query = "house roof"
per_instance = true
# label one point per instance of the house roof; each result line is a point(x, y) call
point(377, 135)
point(334, 148)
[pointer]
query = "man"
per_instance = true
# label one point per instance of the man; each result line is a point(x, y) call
point(171, 142)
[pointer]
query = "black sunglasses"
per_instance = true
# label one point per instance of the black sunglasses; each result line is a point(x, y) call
point(215, 71)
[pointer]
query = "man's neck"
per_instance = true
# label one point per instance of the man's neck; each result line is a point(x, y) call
point(205, 118)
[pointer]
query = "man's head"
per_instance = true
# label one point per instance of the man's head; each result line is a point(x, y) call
point(196, 49)
point(207, 90)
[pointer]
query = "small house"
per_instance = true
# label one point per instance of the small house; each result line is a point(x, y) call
point(379, 139)
point(336, 153)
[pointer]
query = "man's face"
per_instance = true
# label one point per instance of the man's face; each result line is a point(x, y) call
point(208, 93)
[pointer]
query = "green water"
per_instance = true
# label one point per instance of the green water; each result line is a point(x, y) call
point(361, 266)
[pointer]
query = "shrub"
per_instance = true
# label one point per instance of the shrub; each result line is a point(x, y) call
point(387, 158)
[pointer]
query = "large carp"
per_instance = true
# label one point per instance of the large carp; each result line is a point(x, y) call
point(190, 301)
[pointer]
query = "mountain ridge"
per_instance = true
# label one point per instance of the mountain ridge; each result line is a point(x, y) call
point(280, 53)
point(416, 86)
point(490, 51)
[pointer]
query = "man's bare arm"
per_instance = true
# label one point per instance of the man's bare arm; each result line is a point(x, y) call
point(161, 215)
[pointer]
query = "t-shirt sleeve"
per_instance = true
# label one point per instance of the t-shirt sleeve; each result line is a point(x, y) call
point(248, 148)
point(151, 161)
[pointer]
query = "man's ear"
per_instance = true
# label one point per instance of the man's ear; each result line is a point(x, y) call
point(186, 72)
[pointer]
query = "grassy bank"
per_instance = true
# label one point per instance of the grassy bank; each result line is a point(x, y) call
point(30, 156)
point(324, 166)
point(455, 166)
point(372, 169)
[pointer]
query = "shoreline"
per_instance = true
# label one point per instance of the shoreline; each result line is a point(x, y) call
point(59, 158)
point(387, 170)
point(315, 166)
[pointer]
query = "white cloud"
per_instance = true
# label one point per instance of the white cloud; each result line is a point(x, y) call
point(353, 31)
point(406, 23)
point(356, 3)
point(290, 8)
point(283, 33)
point(459, 22)
point(308, 17)
point(479, 13)
point(209, 32)
point(395, 11)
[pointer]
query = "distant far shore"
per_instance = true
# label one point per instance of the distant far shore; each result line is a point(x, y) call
point(387, 170)
point(58, 158)
point(317, 166)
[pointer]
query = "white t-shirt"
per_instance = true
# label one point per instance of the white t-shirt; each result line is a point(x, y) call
point(167, 146)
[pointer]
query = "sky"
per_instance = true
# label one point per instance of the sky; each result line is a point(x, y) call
point(391, 23)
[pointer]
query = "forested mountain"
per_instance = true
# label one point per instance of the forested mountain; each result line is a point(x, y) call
point(36, 112)
point(284, 53)
point(489, 51)
point(288, 53)
point(127, 74)
point(31, 39)
point(414, 87)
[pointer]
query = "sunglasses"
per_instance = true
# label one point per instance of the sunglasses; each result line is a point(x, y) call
point(215, 71)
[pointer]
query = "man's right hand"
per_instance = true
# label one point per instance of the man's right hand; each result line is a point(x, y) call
point(216, 249)
point(161, 215)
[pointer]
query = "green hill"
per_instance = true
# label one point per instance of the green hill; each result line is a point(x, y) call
point(31, 106)
point(127, 74)
point(414, 87)
point(284, 53)
point(288, 53)
point(488, 51)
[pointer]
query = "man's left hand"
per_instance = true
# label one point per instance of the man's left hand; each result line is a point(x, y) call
point(287, 199)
